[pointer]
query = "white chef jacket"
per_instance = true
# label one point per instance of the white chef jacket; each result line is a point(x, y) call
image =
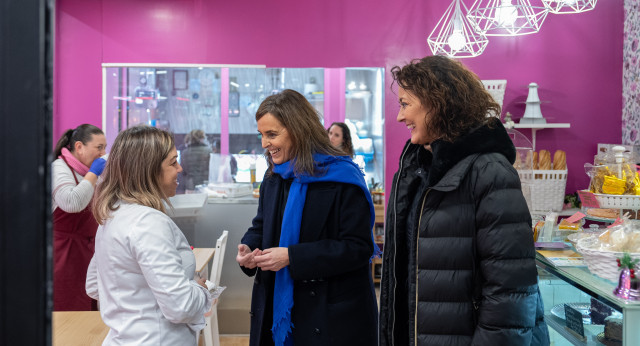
point(142, 274)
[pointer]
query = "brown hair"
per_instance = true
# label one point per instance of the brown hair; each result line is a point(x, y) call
point(302, 122)
point(195, 136)
point(83, 133)
point(133, 171)
point(347, 145)
point(457, 97)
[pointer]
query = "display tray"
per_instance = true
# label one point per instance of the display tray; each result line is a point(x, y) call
point(599, 219)
point(584, 308)
point(228, 190)
point(186, 205)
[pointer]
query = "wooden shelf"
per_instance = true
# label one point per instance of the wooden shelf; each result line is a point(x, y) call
point(535, 127)
point(379, 209)
point(374, 263)
point(380, 215)
point(543, 126)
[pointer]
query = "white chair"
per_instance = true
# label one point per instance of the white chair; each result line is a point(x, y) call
point(211, 335)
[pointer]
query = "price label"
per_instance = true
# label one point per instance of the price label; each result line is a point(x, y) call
point(618, 222)
point(575, 217)
point(573, 319)
point(588, 199)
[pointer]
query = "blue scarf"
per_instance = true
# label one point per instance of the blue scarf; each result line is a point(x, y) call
point(340, 169)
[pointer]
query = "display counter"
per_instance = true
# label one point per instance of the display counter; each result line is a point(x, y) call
point(575, 285)
point(202, 230)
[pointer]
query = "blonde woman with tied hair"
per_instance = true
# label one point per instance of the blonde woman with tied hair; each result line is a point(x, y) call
point(143, 269)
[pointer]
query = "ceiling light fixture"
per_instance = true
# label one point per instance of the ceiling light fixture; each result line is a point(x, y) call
point(506, 17)
point(569, 6)
point(455, 36)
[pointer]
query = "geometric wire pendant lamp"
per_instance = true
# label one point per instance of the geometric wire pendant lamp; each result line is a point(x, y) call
point(506, 17)
point(569, 6)
point(454, 36)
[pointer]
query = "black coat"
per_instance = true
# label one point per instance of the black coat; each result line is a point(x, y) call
point(195, 164)
point(334, 298)
point(459, 261)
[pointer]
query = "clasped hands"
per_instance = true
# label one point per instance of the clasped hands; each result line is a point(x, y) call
point(273, 259)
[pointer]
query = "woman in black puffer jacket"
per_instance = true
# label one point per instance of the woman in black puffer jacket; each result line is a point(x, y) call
point(459, 261)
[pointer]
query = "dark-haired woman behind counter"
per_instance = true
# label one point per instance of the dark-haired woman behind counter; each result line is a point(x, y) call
point(74, 176)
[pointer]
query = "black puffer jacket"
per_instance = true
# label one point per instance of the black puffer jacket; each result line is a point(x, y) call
point(468, 277)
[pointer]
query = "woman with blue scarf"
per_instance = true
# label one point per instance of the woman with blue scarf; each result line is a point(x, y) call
point(310, 243)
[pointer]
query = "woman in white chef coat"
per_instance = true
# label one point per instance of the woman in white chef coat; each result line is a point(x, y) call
point(143, 269)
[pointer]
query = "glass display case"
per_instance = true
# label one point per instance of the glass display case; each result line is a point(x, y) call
point(221, 100)
point(576, 286)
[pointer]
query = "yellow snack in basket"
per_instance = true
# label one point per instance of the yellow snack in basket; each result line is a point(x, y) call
point(636, 185)
point(613, 185)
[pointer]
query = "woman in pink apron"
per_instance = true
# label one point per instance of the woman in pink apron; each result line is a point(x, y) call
point(74, 176)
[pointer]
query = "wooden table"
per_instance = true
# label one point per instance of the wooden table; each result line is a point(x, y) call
point(81, 328)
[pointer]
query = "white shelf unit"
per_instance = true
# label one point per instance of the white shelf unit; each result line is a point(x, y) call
point(535, 127)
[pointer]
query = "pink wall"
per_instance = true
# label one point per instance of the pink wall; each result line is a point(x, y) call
point(576, 59)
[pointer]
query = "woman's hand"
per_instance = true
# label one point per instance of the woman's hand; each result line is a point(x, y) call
point(201, 281)
point(245, 257)
point(273, 259)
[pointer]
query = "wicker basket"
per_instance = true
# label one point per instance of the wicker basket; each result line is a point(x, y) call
point(601, 263)
point(618, 201)
point(547, 188)
point(496, 87)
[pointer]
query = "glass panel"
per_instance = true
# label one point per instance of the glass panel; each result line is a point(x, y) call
point(181, 99)
point(248, 87)
point(555, 294)
point(364, 108)
point(307, 81)
point(177, 99)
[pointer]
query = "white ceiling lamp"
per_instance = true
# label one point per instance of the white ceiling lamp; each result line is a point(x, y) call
point(506, 17)
point(569, 6)
point(454, 36)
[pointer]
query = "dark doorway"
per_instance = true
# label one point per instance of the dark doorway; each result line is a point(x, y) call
point(26, 65)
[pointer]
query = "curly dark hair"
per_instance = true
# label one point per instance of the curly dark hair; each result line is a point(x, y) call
point(456, 95)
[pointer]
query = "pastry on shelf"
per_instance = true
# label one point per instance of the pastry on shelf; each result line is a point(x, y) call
point(604, 213)
point(544, 160)
point(599, 311)
point(613, 329)
point(559, 160)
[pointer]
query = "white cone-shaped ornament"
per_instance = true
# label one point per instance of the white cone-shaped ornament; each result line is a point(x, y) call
point(532, 113)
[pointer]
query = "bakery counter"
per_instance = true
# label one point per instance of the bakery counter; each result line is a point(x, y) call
point(233, 200)
point(578, 288)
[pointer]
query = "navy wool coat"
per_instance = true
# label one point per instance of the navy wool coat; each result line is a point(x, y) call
point(334, 298)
